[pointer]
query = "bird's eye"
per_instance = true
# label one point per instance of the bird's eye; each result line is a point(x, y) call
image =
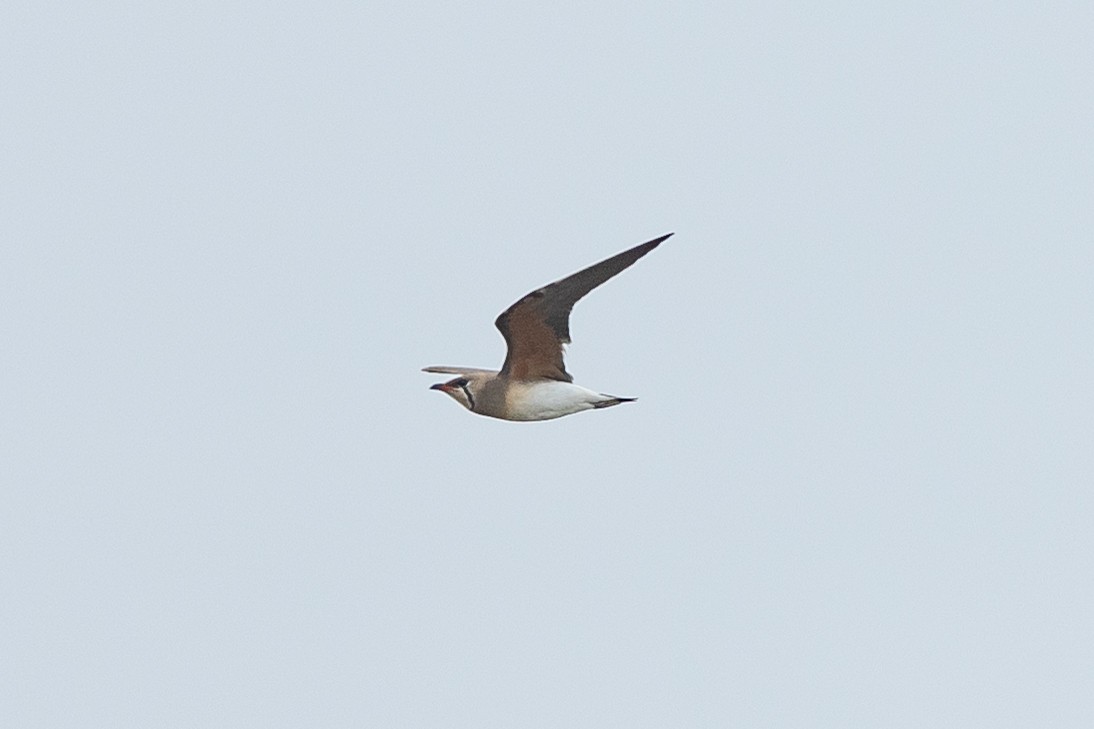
point(461, 382)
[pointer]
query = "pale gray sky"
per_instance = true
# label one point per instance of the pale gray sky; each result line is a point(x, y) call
point(856, 490)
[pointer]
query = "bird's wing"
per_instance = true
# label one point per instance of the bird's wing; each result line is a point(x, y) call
point(536, 327)
point(459, 370)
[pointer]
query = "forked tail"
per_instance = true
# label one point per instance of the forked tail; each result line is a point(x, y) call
point(612, 401)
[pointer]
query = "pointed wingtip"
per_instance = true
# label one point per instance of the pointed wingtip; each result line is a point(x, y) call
point(651, 244)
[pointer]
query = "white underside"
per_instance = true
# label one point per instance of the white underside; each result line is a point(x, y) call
point(549, 399)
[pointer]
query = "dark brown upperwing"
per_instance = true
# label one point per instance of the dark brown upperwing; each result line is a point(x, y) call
point(536, 327)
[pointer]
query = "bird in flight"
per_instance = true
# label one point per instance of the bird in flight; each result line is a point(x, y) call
point(533, 383)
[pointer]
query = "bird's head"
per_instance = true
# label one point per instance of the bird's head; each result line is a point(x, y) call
point(464, 389)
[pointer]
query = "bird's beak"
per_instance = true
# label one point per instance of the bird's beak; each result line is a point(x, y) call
point(443, 387)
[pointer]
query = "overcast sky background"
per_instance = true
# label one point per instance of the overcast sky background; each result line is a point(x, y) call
point(856, 490)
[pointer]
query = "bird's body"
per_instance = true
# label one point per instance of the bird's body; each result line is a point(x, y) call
point(533, 383)
point(489, 393)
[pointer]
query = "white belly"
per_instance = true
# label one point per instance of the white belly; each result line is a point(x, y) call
point(547, 399)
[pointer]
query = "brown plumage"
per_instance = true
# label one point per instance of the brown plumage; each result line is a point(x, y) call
point(536, 327)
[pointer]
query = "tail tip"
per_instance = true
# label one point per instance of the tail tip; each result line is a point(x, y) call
point(613, 401)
